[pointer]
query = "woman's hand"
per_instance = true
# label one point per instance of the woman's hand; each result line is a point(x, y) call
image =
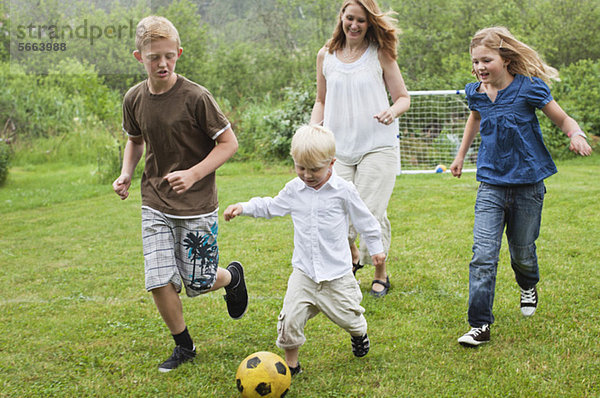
point(386, 117)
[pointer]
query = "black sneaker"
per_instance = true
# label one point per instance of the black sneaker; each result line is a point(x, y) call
point(475, 336)
point(236, 296)
point(360, 345)
point(529, 301)
point(180, 355)
point(296, 370)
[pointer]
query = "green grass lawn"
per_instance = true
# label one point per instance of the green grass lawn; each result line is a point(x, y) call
point(76, 320)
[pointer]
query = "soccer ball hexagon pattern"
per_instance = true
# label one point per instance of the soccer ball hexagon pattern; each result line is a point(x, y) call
point(263, 374)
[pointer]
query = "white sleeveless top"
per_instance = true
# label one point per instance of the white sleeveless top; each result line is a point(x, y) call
point(355, 94)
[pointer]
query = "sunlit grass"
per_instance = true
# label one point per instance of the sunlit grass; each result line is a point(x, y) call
point(76, 320)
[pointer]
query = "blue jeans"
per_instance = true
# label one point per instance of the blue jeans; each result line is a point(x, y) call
point(519, 209)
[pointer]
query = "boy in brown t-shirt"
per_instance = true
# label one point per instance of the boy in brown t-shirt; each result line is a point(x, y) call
point(187, 138)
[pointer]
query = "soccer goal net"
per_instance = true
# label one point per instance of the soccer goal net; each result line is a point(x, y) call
point(431, 132)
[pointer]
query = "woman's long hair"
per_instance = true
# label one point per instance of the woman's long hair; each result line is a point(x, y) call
point(382, 28)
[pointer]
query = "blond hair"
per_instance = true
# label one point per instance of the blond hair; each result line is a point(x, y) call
point(313, 146)
point(155, 28)
point(523, 59)
point(382, 28)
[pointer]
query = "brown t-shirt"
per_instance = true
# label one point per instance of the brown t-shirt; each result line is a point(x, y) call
point(179, 128)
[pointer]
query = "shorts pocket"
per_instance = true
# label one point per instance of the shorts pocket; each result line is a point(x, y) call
point(281, 328)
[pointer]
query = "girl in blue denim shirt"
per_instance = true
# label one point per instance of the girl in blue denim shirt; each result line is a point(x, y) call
point(511, 167)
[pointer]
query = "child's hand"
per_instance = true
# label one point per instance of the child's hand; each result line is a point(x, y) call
point(121, 186)
point(232, 211)
point(378, 259)
point(180, 181)
point(580, 146)
point(456, 167)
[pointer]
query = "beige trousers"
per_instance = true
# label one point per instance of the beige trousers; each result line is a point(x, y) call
point(339, 300)
point(374, 177)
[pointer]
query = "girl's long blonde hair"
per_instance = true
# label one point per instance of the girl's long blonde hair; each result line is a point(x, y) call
point(523, 59)
point(382, 28)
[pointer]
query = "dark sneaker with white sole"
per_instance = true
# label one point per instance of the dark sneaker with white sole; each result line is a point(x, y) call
point(295, 371)
point(475, 336)
point(360, 345)
point(237, 295)
point(529, 301)
point(180, 355)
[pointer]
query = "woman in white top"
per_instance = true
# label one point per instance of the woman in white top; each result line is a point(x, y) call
point(355, 70)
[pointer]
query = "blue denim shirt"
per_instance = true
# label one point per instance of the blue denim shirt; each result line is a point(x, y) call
point(512, 150)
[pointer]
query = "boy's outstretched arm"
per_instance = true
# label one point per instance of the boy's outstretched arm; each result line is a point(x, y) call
point(182, 180)
point(134, 149)
point(232, 211)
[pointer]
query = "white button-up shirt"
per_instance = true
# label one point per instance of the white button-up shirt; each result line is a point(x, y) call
point(321, 218)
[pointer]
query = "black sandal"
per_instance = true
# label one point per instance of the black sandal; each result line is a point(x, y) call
point(356, 267)
point(386, 286)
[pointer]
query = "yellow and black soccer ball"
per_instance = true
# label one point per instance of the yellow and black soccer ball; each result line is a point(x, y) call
point(263, 374)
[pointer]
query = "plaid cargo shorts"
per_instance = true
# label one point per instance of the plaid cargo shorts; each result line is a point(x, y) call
point(181, 251)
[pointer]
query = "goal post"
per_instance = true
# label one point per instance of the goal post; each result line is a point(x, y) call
point(430, 132)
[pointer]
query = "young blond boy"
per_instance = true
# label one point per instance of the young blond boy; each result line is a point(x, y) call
point(187, 138)
point(321, 205)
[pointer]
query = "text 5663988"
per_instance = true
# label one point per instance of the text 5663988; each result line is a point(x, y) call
point(41, 47)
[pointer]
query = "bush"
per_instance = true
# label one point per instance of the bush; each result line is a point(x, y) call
point(46, 105)
point(266, 130)
point(282, 123)
point(5, 157)
point(110, 161)
point(79, 80)
point(578, 93)
point(249, 126)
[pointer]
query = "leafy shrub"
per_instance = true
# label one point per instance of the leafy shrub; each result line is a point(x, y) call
point(109, 157)
point(109, 160)
point(249, 126)
point(265, 131)
point(282, 123)
point(578, 93)
point(79, 80)
point(36, 110)
point(5, 157)
point(46, 105)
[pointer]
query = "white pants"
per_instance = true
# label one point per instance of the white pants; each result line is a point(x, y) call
point(374, 177)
